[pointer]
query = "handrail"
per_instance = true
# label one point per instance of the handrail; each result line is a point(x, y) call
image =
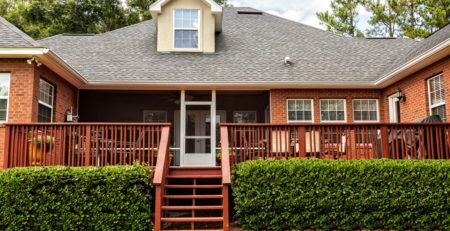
point(226, 179)
point(161, 169)
point(162, 161)
point(407, 141)
point(88, 123)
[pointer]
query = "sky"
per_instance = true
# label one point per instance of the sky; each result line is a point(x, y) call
point(303, 11)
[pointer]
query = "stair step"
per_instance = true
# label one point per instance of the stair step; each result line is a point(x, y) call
point(191, 219)
point(193, 186)
point(192, 196)
point(193, 176)
point(215, 207)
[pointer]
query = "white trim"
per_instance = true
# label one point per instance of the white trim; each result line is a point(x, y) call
point(333, 121)
point(431, 107)
point(6, 75)
point(23, 51)
point(393, 110)
point(198, 103)
point(213, 128)
point(44, 103)
point(366, 121)
point(301, 121)
point(157, 6)
point(182, 126)
point(199, 35)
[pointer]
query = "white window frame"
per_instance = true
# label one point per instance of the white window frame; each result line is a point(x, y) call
point(53, 98)
point(300, 121)
point(253, 112)
point(197, 29)
point(6, 75)
point(431, 107)
point(157, 111)
point(366, 121)
point(333, 121)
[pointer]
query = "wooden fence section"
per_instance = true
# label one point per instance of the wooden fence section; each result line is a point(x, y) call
point(81, 144)
point(337, 141)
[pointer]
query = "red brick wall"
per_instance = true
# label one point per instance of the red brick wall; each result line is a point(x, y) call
point(65, 94)
point(279, 97)
point(24, 94)
point(416, 91)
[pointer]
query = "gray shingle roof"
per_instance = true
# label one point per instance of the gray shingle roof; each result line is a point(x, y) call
point(10, 36)
point(251, 48)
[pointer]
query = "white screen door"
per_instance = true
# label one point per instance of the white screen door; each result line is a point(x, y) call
point(197, 144)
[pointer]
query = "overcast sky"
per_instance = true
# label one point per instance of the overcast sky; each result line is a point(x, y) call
point(303, 11)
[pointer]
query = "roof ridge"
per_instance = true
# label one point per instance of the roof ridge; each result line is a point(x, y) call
point(125, 27)
point(16, 30)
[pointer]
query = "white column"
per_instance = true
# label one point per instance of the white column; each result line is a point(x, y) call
point(182, 126)
point(213, 127)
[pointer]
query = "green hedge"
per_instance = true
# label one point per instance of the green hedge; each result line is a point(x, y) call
point(343, 195)
point(61, 198)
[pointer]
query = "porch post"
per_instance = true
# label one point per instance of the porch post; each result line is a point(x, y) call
point(182, 126)
point(213, 127)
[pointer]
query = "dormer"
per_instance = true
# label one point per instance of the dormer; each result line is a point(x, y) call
point(186, 25)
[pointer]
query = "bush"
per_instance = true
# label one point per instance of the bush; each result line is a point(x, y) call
point(344, 195)
point(88, 198)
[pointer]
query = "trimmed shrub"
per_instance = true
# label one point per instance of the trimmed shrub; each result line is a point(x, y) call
point(343, 195)
point(86, 198)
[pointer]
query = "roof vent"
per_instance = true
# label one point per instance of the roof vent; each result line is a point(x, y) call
point(254, 12)
point(288, 61)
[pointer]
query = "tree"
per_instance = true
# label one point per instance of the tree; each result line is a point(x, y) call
point(386, 17)
point(435, 15)
point(343, 18)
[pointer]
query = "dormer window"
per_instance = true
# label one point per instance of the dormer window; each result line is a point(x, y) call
point(186, 28)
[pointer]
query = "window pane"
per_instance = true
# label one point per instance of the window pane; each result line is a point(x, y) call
point(3, 109)
point(44, 114)
point(440, 111)
point(300, 110)
point(292, 116)
point(186, 39)
point(4, 86)
point(291, 105)
point(46, 92)
point(357, 115)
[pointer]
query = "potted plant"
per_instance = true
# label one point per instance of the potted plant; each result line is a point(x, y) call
point(219, 155)
point(38, 144)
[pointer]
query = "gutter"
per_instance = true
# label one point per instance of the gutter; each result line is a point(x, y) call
point(23, 50)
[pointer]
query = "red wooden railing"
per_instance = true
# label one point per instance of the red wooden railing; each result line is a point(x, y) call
point(81, 144)
point(336, 141)
point(161, 170)
point(226, 177)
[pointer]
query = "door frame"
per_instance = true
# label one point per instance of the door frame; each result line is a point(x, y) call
point(183, 112)
point(394, 108)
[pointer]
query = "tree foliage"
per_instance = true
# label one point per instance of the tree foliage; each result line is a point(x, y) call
point(343, 17)
point(391, 18)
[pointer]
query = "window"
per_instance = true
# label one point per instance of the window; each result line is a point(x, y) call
point(186, 27)
point(4, 96)
point(46, 94)
point(244, 116)
point(300, 110)
point(436, 96)
point(332, 110)
point(365, 110)
point(155, 116)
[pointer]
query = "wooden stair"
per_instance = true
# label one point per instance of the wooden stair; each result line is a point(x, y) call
point(192, 198)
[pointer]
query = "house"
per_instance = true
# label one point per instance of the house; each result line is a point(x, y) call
point(197, 64)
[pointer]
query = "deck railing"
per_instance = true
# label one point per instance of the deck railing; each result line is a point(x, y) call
point(337, 141)
point(81, 144)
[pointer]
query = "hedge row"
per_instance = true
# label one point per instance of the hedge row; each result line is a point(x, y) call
point(344, 195)
point(61, 198)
